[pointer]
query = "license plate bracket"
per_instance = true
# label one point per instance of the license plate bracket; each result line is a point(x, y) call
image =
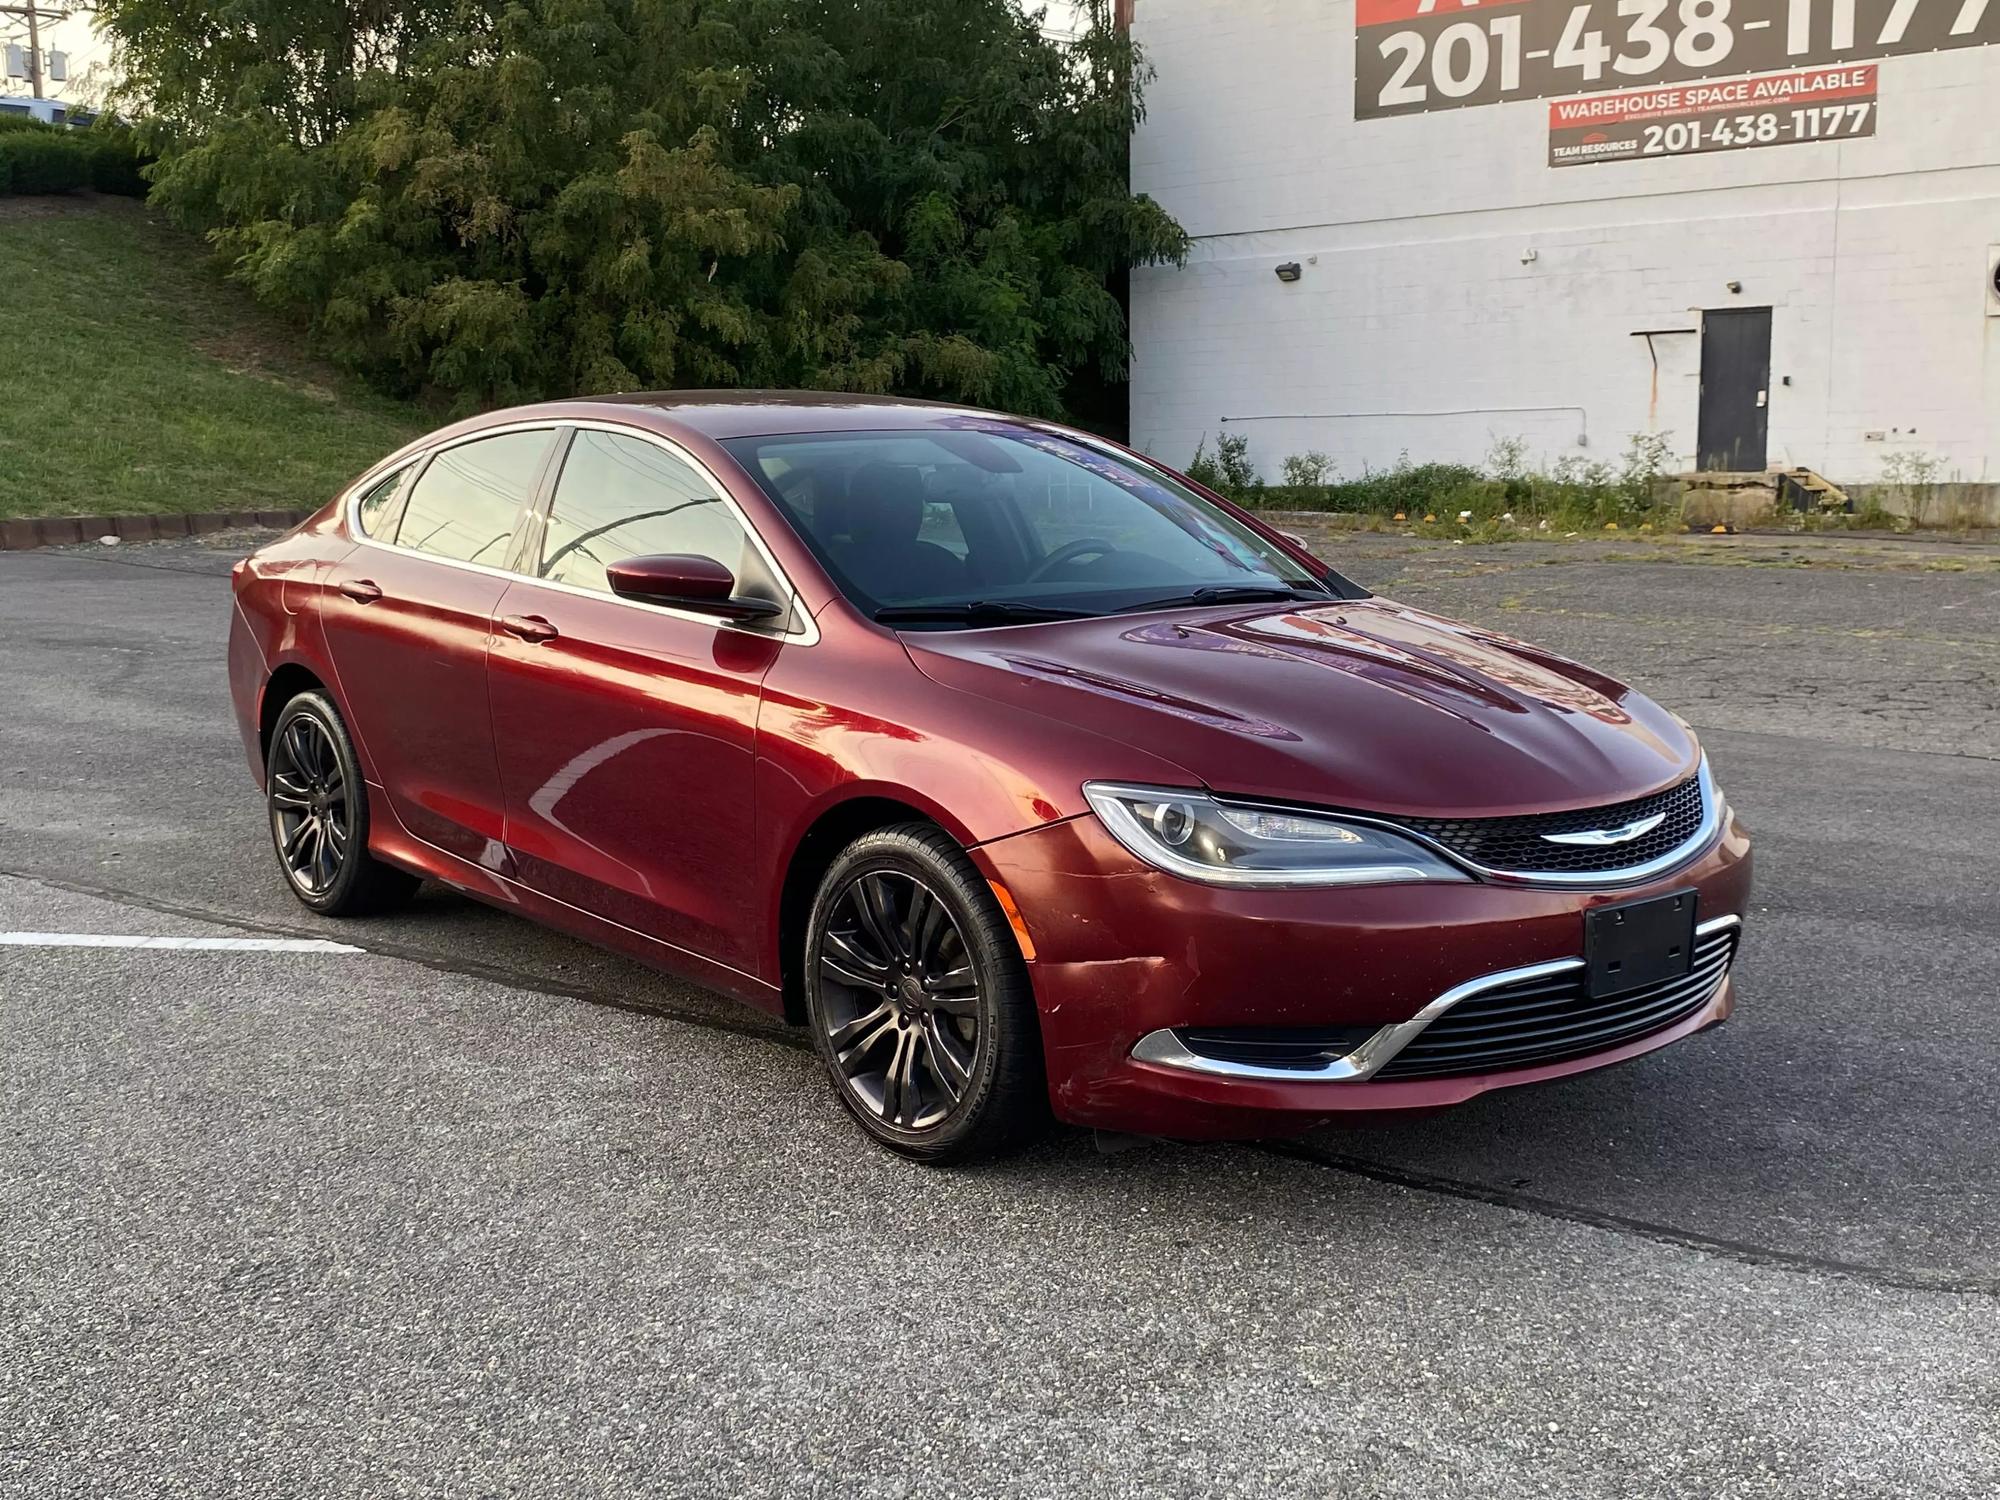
point(1637, 943)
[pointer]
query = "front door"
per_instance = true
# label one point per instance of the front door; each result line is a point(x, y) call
point(407, 617)
point(627, 732)
point(1735, 389)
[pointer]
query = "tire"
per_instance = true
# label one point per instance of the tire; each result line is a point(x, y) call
point(317, 806)
point(930, 1036)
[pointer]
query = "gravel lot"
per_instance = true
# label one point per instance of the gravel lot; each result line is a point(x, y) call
point(479, 1210)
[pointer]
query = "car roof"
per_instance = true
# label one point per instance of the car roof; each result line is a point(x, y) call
point(734, 414)
point(698, 418)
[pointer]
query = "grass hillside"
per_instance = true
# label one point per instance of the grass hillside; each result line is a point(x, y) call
point(134, 378)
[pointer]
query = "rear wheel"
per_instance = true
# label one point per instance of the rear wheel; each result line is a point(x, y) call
point(918, 1000)
point(319, 815)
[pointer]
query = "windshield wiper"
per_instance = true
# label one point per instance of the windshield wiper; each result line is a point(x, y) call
point(1229, 593)
point(1000, 611)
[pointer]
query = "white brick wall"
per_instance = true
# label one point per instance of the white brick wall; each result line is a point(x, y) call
point(1418, 326)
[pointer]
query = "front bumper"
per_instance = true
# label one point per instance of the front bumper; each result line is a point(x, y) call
point(1123, 951)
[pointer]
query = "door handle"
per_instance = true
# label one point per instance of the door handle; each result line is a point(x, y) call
point(361, 590)
point(529, 627)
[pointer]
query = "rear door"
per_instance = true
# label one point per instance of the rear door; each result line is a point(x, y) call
point(626, 732)
point(408, 615)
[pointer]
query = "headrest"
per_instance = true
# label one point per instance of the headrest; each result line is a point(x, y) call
point(830, 518)
point(885, 503)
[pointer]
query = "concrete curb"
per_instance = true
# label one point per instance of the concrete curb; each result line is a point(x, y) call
point(25, 532)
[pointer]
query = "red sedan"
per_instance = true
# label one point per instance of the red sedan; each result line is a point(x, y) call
point(1023, 772)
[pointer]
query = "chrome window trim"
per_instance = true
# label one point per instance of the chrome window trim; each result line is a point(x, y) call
point(1704, 835)
point(1166, 1049)
point(804, 629)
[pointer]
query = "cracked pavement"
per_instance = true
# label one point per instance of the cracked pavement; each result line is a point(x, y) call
point(1887, 644)
point(480, 1210)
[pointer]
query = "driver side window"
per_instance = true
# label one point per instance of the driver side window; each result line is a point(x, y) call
point(622, 497)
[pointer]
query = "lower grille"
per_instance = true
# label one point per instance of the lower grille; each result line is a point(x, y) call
point(1549, 1019)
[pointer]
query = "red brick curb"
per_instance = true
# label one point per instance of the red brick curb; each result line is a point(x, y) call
point(66, 531)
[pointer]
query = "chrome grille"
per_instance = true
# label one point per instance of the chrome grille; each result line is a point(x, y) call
point(1518, 846)
point(1536, 1021)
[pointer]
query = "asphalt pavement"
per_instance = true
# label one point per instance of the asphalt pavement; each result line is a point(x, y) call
point(475, 1209)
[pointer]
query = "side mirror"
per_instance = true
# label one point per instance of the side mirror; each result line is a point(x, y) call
point(700, 584)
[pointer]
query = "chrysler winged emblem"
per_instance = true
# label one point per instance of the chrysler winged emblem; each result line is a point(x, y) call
point(1599, 837)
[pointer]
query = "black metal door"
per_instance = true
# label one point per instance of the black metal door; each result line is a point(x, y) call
point(1735, 388)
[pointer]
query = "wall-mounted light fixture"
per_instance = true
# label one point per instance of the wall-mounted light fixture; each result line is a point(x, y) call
point(1289, 271)
point(1734, 286)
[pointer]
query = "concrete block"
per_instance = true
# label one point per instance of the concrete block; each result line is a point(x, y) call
point(59, 531)
point(18, 536)
point(1941, 505)
point(1728, 500)
point(135, 528)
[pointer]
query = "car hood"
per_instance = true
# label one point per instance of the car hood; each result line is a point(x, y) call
point(1365, 704)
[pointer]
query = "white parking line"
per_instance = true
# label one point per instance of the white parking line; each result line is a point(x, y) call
point(230, 945)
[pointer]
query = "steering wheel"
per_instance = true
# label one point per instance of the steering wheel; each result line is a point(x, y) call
point(1089, 546)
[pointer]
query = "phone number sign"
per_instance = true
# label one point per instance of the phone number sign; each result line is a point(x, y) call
point(1781, 109)
point(1416, 56)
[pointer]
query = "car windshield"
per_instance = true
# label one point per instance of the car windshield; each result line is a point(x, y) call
point(986, 524)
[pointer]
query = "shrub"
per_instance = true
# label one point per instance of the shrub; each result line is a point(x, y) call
point(1308, 470)
point(1508, 458)
point(45, 161)
point(1408, 488)
point(1911, 468)
point(1231, 471)
point(1647, 458)
point(1576, 492)
point(1202, 469)
point(38, 158)
point(116, 163)
point(1232, 458)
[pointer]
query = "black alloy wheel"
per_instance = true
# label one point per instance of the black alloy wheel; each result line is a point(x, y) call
point(918, 999)
point(310, 816)
point(319, 814)
point(911, 1032)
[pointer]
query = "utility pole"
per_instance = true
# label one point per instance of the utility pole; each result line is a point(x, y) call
point(35, 16)
point(34, 50)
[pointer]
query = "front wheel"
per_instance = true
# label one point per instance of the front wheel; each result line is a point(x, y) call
point(918, 1000)
point(318, 807)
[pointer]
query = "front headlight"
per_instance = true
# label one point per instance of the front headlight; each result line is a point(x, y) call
point(1191, 834)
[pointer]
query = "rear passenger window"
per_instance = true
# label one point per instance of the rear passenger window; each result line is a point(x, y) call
point(376, 509)
point(466, 502)
point(624, 497)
